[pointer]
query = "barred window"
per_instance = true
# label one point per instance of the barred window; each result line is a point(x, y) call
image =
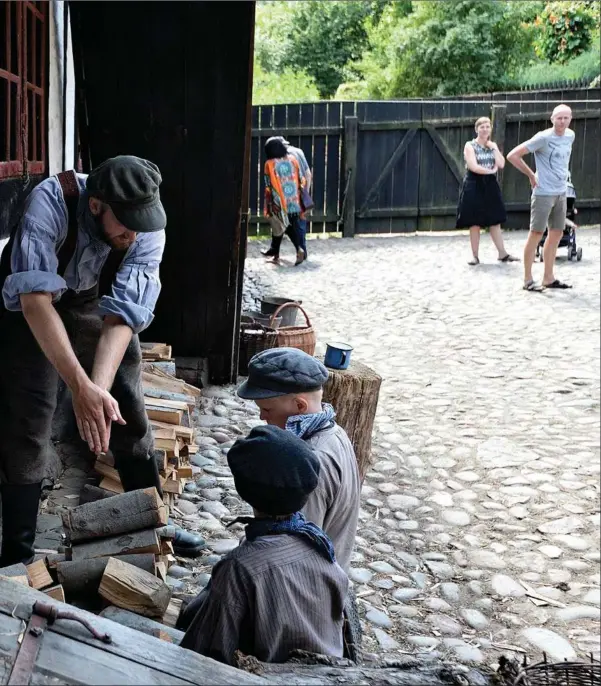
point(23, 79)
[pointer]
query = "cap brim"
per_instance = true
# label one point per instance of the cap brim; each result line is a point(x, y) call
point(250, 392)
point(145, 219)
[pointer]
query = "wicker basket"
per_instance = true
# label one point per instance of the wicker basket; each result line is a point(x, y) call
point(254, 338)
point(559, 674)
point(301, 337)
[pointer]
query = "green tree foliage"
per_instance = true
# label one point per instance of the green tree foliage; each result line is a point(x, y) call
point(566, 29)
point(289, 86)
point(448, 48)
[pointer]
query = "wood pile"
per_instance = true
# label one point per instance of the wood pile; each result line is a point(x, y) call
point(118, 549)
point(169, 402)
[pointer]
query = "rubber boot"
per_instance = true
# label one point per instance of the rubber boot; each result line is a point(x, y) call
point(185, 543)
point(274, 248)
point(19, 517)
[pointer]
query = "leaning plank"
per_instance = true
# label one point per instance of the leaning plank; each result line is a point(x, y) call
point(144, 624)
point(126, 512)
point(90, 494)
point(16, 572)
point(111, 485)
point(56, 592)
point(127, 659)
point(82, 579)
point(133, 589)
point(134, 542)
point(38, 575)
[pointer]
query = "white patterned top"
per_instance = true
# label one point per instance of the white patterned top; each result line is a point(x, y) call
point(485, 157)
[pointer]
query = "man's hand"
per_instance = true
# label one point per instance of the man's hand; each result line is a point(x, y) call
point(533, 181)
point(95, 409)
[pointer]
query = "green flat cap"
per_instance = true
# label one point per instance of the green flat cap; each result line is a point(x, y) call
point(130, 187)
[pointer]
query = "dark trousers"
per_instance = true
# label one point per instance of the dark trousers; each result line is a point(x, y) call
point(28, 396)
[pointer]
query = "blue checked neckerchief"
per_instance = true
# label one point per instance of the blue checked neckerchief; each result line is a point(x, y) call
point(295, 525)
point(306, 425)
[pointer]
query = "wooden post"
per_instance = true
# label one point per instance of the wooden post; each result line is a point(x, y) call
point(354, 395)
point(499, 125)
point(351, 134)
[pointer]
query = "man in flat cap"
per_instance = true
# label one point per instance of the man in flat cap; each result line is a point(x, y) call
point(80, 237)
point(281, 589)
point(287, 385)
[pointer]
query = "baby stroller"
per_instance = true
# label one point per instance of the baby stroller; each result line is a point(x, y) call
point(568, 238)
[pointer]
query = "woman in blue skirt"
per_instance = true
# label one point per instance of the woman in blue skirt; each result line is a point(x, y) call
point(481, 202)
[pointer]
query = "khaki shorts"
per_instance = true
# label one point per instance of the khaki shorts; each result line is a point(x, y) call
point(548, 211)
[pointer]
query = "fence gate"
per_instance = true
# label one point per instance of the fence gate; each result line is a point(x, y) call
point(391, 167)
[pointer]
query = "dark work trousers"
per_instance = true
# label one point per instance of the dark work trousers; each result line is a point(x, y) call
point(28, 395)
point(293, 231)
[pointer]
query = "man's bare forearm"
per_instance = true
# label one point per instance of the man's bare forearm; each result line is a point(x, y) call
point(114, 339)
point(51, 335)
point(519, 164)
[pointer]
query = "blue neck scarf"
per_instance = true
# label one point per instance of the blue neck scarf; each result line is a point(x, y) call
point(306, 425)
point(295, 525)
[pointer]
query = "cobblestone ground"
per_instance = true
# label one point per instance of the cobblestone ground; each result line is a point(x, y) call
point(486, 443)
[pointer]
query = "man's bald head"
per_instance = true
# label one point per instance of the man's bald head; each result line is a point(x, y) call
point(561, 118)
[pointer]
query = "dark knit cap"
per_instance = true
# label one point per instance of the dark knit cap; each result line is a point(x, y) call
point(130, 187)
point(274, 471)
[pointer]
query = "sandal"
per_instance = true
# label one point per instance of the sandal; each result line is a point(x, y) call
point(532, 286)
point(557, 284)
point(508, 258)
point(474, 261)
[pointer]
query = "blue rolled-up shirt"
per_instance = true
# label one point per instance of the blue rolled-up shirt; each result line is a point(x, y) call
point(34, 261)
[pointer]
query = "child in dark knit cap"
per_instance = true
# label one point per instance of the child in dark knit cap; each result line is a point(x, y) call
point(281, 589)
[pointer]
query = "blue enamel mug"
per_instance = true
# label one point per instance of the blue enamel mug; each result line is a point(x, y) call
point(338, 355)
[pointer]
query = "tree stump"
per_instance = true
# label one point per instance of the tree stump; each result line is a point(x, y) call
point(354, 394)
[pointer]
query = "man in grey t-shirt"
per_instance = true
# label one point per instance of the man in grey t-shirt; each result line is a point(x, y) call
point(552, 149)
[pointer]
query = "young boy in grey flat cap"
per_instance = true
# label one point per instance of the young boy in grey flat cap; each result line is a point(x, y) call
point(281, 589)
point(287, 385)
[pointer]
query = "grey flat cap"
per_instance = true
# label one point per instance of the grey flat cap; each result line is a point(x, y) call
point(281, 371)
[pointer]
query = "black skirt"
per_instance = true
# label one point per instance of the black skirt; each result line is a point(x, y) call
point(480, 202)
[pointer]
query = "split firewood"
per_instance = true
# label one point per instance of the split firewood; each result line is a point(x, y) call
point(184, 473)
point(16, 573)
point(164, 433)
point(169, 445)
point(158, 394)
point(173, 486)
point(106, 458)
point(56, 592)
point(132, 511)
point(184, 432)
point(108, 472)
point(39, 577)
point(134, 542)
point(164, 414)
point(156, 351)
point(111, 485)
point(154, 376)
point(82, 579)
point(133, 589)
point(172, 613)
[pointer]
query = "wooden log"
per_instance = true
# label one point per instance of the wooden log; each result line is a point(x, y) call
point(90, 494)
point(16, 573)
point(156, 377)
point(156, 351)
point(133, 589)
point(304, 668)
point(135, 542)
point(354, 395)
point(56, 592)
point(144, 624)
point(38, 575)
point(132, 511)
point(165, 414)
point(106, 471)
point(54, 559)
point(159, 394)
point(82, 579)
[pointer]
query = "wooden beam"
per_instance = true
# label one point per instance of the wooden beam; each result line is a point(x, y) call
point(400, 150)
point(444, 150)
point(351, 138)
point(499, 127)
point(134, 589)
point(544, 116)
point(296, 131)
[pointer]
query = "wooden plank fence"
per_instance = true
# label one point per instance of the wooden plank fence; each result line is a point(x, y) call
point(397, 166)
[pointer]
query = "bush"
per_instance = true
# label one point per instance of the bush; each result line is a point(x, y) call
point(585, 66)
point(566, 30)
point(286, 86)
